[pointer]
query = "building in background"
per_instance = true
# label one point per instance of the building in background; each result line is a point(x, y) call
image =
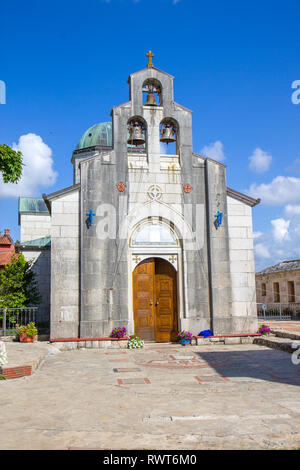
point(7, 248)
point(149, 236)
point(35, 242)
point(279, 284)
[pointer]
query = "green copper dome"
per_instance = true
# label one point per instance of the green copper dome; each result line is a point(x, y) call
point(99, 134)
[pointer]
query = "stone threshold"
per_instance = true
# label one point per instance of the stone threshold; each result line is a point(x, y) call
point(105, 338)
point(116, 343)
point(238, 338)
point(65, 344)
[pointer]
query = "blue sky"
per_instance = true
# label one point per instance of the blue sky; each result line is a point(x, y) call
point(66, 63)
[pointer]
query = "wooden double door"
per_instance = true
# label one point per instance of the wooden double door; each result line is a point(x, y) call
point(155, 300)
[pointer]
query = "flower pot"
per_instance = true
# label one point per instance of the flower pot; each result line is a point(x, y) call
point(185, 341)
point(26, 339)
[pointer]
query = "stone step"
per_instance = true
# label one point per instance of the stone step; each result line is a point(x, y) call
point(285, 334)
point(277, 343)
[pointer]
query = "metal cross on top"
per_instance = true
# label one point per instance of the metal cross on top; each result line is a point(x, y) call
point(150, 55)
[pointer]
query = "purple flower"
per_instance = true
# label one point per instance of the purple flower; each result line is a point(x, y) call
point(184, 334)
point(119, 332)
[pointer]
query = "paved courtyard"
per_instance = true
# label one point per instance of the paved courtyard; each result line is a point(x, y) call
point(162, 397)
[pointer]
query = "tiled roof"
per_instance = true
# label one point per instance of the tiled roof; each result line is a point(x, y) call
point(4, 240)
point(289, 265)
point(5, 257)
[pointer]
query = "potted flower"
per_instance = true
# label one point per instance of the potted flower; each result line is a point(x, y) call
point(264, 330)
point(27, 333)
point(184, 337)
point(135, 342)
point(118, 332)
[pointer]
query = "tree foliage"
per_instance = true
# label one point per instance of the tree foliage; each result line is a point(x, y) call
point(11, 164)
point(18, 285)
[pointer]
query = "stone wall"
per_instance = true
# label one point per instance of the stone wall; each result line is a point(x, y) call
point(34, 226)
point(103, 257)
point(242, 270)
point(65, 265)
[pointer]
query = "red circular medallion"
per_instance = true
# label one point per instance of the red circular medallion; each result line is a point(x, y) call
point(121, 187)
point(187, 188)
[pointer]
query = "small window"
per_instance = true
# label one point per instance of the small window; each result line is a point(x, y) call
point(263, 289)
point(276, 292)
point(291, 291)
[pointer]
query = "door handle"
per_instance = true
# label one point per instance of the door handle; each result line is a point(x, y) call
point(157, 302)
point(151, 303)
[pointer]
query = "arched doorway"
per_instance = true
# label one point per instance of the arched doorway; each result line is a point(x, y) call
point(155, 300)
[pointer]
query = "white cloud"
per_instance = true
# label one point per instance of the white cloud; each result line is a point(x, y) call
point(282, 190)
point(292, 210)
point(261, 251)
point(260, 161)
point(175, 1)
point(257, 234)
point(280, 229)
point(214, 151)
point(38, 170)
point(279, 242)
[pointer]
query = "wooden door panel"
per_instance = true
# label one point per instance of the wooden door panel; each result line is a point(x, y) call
point(154, 281)
point(163, 321)
point(166, 302)
point(143, 295)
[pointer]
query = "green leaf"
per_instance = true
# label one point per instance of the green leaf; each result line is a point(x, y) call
point(11, 164)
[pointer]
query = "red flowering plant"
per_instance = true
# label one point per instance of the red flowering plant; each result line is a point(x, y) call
point(119, 332)
point(264, 330)
point(184, 335)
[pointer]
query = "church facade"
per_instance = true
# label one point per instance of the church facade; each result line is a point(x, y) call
point(149, 236)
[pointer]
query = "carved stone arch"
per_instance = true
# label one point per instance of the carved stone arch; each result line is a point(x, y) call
point(142, 233)
point(179, 224)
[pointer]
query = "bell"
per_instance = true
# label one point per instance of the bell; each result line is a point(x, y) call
point(136, 135)
point(150, 100)
point(167, 134)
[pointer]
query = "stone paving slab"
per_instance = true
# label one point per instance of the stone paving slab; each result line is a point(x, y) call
point(77, 401)
point(23, 358)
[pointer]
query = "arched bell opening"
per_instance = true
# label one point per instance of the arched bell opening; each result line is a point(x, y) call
point(169, 141)
point(137, 135)
point(152, 92)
